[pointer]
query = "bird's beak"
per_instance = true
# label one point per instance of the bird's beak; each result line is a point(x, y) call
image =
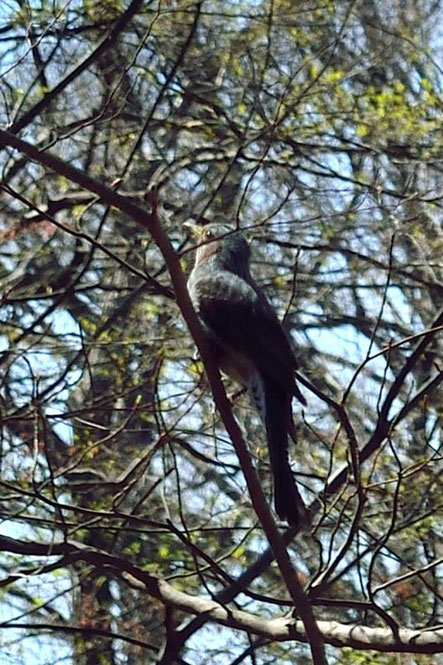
point(194, 230)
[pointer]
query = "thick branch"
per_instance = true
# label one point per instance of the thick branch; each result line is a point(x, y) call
point(151, 223)
point(108, 41)
point(280, 629)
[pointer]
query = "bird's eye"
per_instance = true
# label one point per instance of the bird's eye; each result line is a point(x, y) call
point(208, 235)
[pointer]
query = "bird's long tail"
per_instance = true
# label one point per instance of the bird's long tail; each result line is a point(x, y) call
point(287, 500)
point(275, 408)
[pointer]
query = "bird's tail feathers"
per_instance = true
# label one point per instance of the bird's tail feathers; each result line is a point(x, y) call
point(288, 502)
point(289, 505)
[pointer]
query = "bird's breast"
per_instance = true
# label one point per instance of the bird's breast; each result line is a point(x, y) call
point(236, 366)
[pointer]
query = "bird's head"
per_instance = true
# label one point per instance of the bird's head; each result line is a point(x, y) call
point(221, 244)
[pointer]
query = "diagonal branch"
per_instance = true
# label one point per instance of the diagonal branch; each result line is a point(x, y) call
point(108, 41)
point(282, 629)
point(150, 222)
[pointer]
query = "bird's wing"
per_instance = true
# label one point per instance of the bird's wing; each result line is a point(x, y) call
point(239, 316)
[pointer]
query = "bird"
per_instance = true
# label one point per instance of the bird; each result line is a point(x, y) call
point(249, 344)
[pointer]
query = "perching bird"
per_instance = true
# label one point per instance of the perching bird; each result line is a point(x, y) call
point(248, 344)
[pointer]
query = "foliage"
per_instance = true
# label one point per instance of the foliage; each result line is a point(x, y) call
point(317, 128)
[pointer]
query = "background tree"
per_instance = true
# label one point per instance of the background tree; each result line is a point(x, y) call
point(128, 533)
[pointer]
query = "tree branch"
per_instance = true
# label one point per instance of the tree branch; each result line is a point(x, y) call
point(282, 629)
point(150, 221)
point(107, 42)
